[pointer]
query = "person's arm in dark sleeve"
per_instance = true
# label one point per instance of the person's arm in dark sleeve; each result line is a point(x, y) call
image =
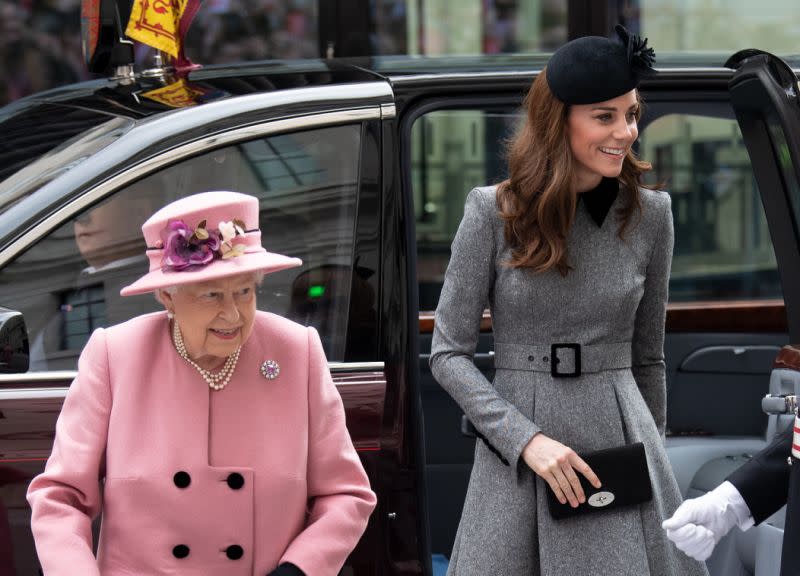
point(764, 481)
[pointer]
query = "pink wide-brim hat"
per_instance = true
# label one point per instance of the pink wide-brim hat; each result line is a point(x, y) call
point(214, 208)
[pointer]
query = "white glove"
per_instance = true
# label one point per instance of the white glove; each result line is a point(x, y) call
point(699, 524)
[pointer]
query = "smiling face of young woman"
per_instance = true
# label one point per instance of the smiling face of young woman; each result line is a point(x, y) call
point(600, 136)
point(214, 317)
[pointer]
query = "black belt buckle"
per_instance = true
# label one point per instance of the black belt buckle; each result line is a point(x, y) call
point(554, 348)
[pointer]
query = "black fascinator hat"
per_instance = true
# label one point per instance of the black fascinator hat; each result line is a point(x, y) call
point(594, 68)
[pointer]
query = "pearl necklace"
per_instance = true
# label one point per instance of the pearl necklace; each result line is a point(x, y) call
point(216, 381)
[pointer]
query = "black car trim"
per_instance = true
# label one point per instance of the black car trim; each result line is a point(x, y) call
point(664, 74)
point(363, 318)
point(767, 111)
point(416, 109)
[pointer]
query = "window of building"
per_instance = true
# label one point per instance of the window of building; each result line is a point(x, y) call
point(440, 27)
point(717, 25)
point(82, 310)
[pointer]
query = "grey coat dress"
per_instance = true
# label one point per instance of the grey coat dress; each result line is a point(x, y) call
point(613, 303)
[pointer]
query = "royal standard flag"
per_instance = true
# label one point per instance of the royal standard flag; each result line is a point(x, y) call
point(157, 24)
point(177, 95)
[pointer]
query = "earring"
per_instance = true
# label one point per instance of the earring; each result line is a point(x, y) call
point(170, 315)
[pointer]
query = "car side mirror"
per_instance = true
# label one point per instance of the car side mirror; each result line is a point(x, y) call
point(14, 354)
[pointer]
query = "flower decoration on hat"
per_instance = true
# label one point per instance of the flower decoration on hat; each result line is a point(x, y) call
point(229, 231)
point(640, 55)
point(186, 248)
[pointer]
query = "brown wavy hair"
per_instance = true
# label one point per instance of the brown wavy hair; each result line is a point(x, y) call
point(537, 202)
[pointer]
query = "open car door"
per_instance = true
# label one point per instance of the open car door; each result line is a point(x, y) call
point(764, 95)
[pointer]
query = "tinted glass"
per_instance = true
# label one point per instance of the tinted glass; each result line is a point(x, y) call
point(452, 151)
point(40, 142)
point(307, 182)
point(723, 249)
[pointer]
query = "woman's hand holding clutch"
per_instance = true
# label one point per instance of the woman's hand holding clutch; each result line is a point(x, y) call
point(557, 465)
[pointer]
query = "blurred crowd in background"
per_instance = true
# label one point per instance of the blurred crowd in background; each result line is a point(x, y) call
point(234, 30)
point(40, 40)
point(40, 46)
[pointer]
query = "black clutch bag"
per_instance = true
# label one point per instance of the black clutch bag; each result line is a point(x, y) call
point(625, 481)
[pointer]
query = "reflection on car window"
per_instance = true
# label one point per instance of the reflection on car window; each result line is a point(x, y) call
point(279, 164)
point(723, 250)
point(68, 283)
point(36, 159)
point(452, 151)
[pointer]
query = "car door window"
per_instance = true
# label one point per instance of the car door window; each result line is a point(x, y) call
point(68, 283)
point(723, 250)
point(452, 151)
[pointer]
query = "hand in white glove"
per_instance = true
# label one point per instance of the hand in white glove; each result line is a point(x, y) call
point(699, 524)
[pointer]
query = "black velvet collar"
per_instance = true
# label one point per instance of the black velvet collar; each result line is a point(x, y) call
point(599, 200)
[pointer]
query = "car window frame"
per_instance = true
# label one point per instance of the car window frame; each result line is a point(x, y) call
point(707, 106)
point(766, 315)
point(92, 195)
point(175, 129)
point(419, 109)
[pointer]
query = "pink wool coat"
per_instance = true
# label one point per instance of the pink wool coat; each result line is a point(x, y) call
point(235, 481)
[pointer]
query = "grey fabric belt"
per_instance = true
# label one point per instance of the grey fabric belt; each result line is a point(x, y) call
point(563, 360)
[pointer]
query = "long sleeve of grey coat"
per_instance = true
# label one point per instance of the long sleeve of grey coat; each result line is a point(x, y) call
point(648, 334)
point(466, 293)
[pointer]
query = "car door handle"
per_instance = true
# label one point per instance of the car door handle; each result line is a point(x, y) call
point(756, 359)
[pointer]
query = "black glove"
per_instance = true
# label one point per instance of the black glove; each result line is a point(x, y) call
point(287, 569)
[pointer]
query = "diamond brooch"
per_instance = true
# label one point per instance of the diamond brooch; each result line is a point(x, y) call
point(270, 369)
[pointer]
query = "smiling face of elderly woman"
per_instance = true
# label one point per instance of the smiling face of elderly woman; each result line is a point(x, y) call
point(214, 317)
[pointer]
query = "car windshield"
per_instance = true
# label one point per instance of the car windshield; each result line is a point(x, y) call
point(32, 161)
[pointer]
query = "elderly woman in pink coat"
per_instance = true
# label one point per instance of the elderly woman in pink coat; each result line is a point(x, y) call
point(210, 436)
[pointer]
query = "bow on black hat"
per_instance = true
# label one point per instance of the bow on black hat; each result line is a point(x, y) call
point(595, 69)
point(640, 55)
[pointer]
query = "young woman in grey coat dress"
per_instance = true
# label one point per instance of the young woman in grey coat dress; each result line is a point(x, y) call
point(569, 249)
